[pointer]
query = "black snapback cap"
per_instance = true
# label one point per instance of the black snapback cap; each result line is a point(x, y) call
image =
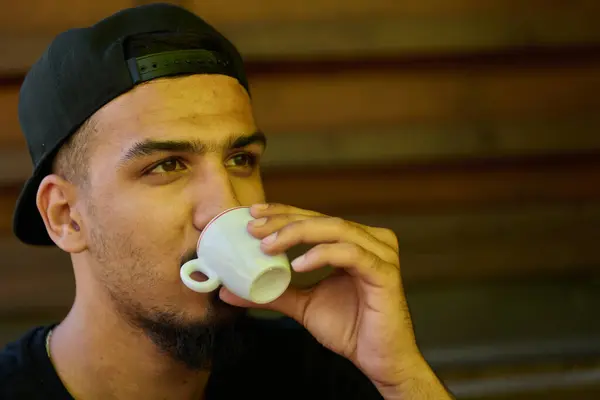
point(84, 69)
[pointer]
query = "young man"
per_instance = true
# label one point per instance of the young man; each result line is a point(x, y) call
point(141, 130)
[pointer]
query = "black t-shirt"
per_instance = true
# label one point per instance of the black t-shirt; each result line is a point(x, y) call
point(284, 362)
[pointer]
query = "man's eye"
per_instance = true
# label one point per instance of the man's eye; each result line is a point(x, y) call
point(242, 160)
point(167, 166)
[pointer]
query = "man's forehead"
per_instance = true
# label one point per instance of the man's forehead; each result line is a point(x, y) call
point(190, 98)
point(199, 108)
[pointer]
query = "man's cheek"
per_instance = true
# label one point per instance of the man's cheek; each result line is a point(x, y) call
point(158, 225)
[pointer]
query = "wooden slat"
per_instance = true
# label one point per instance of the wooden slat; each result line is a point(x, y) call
point(17, 166)
point(527, 242)
point(440, 187)
point(21, 53)
point(372, 97)
point(411, 36)
point(333, 27)
point(53, 17)
point(495, 244)
point(10, 131)
point(431, 143)
point(531, 313)
point(267, 10)
point(567, 383)
point(65, 14)
point(8, 199)
point(357, 98)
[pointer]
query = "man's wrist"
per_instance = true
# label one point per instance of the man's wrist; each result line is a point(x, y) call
point(417, 381)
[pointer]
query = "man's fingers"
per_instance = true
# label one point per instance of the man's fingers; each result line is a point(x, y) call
point(266, 210)
point(281, 232)
point(350, 257)
point(260, 211)
point(263, 227)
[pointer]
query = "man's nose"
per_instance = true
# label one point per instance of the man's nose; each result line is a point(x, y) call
point(214, 195)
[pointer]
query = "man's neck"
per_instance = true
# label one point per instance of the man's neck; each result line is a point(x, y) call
point(97, 355)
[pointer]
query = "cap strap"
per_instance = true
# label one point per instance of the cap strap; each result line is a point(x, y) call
point(178, 62)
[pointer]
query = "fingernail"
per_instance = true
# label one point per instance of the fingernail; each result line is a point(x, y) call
point(270, 239)
point(299, 261)
point(259, 222)
point(260, 207)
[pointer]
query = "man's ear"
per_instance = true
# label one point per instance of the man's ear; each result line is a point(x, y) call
point(56, 199)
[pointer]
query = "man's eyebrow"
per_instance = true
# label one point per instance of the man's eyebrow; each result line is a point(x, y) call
point(243, 141)
point(149, 147)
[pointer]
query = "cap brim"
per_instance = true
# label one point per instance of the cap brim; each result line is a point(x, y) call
point(28, 224)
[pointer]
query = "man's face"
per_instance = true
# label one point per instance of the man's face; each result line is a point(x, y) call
point(167, 157)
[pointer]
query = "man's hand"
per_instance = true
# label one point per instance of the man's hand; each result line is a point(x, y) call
point(360, 311)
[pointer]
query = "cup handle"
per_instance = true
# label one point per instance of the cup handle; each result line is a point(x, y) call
point(209, 285)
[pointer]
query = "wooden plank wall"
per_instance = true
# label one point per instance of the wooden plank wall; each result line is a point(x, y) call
point(471, 128)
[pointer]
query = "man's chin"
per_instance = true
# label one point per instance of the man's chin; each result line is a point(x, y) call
point(215, 314)
point(196, 342)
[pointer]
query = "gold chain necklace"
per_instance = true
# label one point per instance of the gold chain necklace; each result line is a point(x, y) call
point(48, 336)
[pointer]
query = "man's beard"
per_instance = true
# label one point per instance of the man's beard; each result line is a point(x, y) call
point(214, 342)
point(197, 345)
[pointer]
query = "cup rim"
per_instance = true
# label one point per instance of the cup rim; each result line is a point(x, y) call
point(214, 219)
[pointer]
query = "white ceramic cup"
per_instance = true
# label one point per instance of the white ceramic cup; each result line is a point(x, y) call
point(230, 256)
